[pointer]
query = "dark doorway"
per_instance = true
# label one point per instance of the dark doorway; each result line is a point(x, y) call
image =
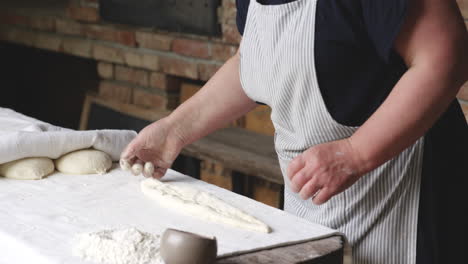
point(45, 85)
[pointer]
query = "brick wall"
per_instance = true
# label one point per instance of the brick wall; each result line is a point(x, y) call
point(138, 66)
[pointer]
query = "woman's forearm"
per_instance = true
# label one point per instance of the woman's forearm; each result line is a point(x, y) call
point(433, 44)
point(220, 101)
point(414, 105)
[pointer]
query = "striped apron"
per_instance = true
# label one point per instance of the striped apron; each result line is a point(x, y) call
point(378, 214)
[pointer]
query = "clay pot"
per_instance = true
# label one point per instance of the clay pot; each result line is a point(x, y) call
point(180, 247)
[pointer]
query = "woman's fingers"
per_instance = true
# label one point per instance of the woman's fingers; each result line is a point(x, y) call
point(151, 152)
point(300, 179)
point(140, 162)
point(159, 163)
point(130, 151)
point(325, 170)
point(323, 196)
point(148, 169)
point(309, 189)
point(137, 167)
point(294, 166)
point(128, 157)
point(156, 169)
point(159, 173)
point(125, 165)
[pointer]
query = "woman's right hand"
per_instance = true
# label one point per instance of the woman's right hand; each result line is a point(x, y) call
point(221, 100)
point(157, 143)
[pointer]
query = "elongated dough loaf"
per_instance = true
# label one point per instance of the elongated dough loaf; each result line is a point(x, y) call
point(200, 204)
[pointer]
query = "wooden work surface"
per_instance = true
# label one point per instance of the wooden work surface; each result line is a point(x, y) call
point(90, 203)
point(323, 251)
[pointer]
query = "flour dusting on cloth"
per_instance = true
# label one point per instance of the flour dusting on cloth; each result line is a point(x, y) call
point(121, 246)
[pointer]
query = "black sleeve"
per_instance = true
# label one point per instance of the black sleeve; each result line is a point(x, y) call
point(383, 20)
point(242, 8)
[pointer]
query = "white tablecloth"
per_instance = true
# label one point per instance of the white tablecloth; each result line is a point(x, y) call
point(39, 219)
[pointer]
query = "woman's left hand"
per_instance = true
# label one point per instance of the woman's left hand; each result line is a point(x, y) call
point(325, 170)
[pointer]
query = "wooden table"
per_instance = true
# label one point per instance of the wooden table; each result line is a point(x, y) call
point(324, 251)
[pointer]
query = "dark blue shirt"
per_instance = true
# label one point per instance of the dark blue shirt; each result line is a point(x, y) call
point(355, 60)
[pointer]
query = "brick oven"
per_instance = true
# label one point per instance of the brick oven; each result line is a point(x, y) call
point(188, 16)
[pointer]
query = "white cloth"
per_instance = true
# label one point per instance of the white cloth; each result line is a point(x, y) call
point(39, 219)
point(22, 137)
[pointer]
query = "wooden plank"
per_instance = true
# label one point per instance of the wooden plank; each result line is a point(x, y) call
point(128, 109)
point(215, 173)
point(239, 150)
point(322, 251)
point(187, 90)
point(266, 192)
point(259, 121)
point(85, 112)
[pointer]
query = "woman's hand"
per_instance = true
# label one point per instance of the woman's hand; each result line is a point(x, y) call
point(220, 101)
point(325, 170)
point(156, 143)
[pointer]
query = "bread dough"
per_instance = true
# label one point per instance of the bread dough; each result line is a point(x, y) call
point(27, 169)
point(200, 204)
point(86, 161)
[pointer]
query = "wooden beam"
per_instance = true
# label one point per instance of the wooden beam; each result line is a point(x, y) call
point(239, 150)
point(128, 109)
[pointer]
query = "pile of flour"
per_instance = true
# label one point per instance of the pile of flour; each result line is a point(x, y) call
point(120, 246)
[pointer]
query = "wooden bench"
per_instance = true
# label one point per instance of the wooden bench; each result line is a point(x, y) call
point(249, 164)
point(323, 251)
point(241, 150)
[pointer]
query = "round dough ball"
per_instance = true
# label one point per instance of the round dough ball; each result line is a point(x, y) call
point(27, 169)
point(86, 161)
